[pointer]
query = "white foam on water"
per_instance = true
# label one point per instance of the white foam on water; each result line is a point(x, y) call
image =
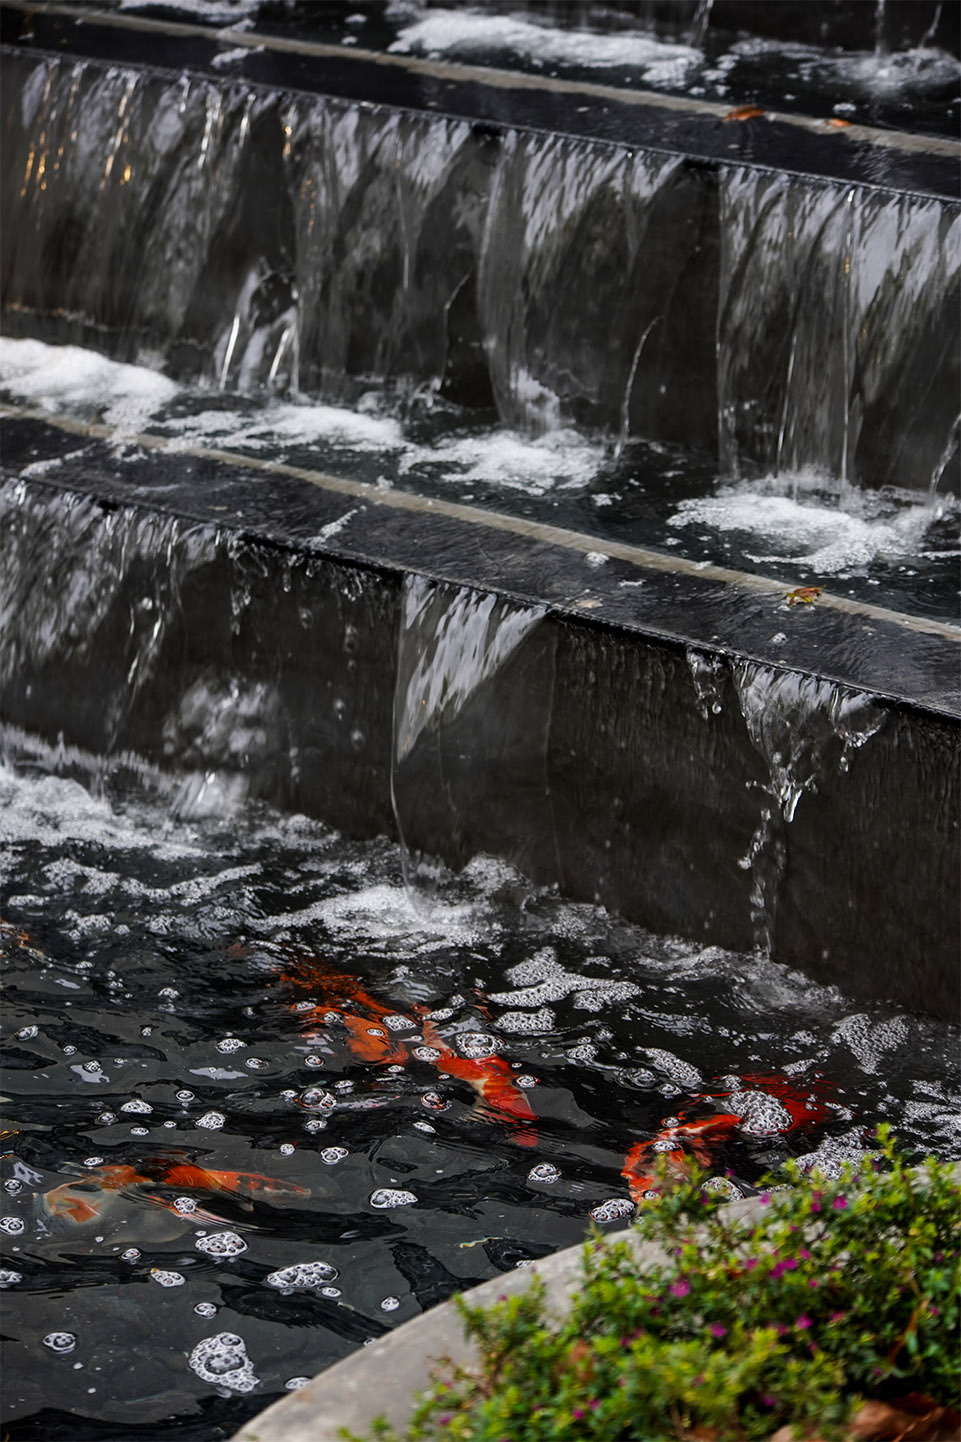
point(385, 912)
point(880, 74)
point(68, 377)
point(462, 35)
point(824, 535)
point(222, 1360)
point(557, 460)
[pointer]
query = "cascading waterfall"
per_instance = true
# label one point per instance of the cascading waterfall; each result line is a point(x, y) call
point(830, 296)
point(451, 644)
point(254, 239)
point(803, 727)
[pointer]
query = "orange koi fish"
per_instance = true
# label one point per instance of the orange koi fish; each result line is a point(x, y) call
point(368, 1037)
point(492, 1080)
point(679, 1139)
point(86, 1199)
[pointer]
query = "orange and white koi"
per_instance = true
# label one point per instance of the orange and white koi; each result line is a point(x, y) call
point(492, 1080)
point(681, 1139)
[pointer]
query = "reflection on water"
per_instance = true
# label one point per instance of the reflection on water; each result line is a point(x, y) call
point(258, 1110)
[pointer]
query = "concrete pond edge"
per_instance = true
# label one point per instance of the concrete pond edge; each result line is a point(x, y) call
point(382, 1379)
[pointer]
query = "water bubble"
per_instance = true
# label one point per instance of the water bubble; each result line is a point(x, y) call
point(317, 1099)
point(106, 1119)
point(666, 1145)
point(724, 1187)
point(308, 1276)
point(69, 1050)
point(211, 1121)
point(93, 1161)
point(641, 1077)
point(425, 1127)
point(230, 1044)
point(434, 1102)
point(315, 1124)
point(146, 1031)
point(391, 1197)
point(286, 1149)
point(256, 1063)
point(543, 1172)
point(670, 1121)
point(132, 1254)
point(136, 1106)
point(390, 1304)
point(27, 1033)
point(304, 1005)
point(205, 1309)
point(60, 1342)
point(223, 1360)
point(221, 1244)
point(140, 1131)
point(426, 1053)
point(167, 1279)
point(13, 1226)
point(331, 1292)
point(288, 1095)
point(397, 1022)
point(170, 1125)
point(443, 1013)
point(525, 1080)
point(612, 1210)
point(294, 1384)
point(314, 1061)
point(13, 1186)
point(9, 1278)
point(343, 1086)
point(476, 1044)
point(761, 1114)
point(183, 1095)
point(169, 992)
point(332, 1155)
point(584, 1052)
point(93, 1067)
point(185, 1205)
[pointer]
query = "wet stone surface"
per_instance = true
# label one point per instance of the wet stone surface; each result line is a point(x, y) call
point(166, 1275)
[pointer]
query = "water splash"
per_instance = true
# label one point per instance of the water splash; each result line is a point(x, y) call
point(803, 727)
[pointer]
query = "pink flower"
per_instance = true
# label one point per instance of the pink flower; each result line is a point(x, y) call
point(804, 1254)
point(839, 1203)
point(764, 1198)
point(837, 1317)
point(813, 1283)
point(803, 1323)
point(577, 1414)
point(717, 1330)
point(594, 1403)
point(681, 1287)
point(768, 1400)
point(750, 1264)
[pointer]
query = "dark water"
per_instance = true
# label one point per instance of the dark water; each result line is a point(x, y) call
point(148, 1023)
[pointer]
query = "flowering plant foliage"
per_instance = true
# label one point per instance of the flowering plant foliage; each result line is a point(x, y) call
point(837, 1291)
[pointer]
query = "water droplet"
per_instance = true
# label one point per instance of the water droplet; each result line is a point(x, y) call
point(543, 1172)
point(184, 1095)
point(426, 1053)
point(314, 1061)
point(286, 1149)
point(317, 1099)
point(185, 1205)
point(256, 1063)
point(140, 1131)
point(315, 1124)
point(13, 1186)
point(61, 1342)
point(211, 1121)
point(92, 1067)
point(13, 1226)
point(230, 1044)
point(390, 1304)
point(205, 1309)
point(93, 1161)
point(294, 1384)
point(106, 1119)
point(132, 1254)
point(136, 1106)
point(69, 1050)
point(525, 1080)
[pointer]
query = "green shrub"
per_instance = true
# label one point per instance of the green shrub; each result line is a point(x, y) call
point(841, 1290)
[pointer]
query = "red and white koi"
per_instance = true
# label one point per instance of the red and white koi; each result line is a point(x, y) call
point(492, 1080)
point(89, 1197)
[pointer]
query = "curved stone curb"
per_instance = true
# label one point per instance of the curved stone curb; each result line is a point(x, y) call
point(382, 1379)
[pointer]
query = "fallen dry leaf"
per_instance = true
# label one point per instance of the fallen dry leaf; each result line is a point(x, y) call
point(744, 112)
point(836, 123)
